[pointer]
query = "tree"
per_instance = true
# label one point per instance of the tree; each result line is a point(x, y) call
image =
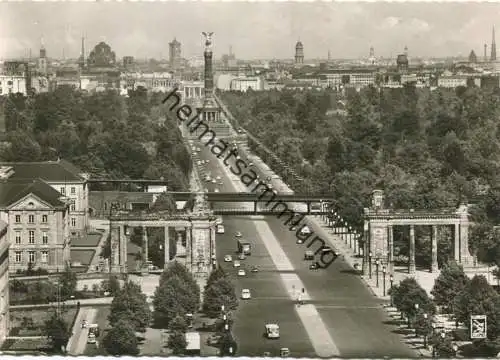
point(177, 342)
point(68, 282)
point(58, 332)
point(227, 345)
point(164, 202)
point(174, 297)
point(215, 275)
point(121, 339)
point(409, 293)
point(178, 324)
point(130, 303)
point(112, 284)
point(449, 284)
point(479, 298)
point(218, 293)
point(176, 269)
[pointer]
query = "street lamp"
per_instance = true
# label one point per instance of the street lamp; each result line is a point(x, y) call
point(455, 350)
point(383, 272)
point(377, 262)
point(425, 330)
point(416, 306)
point(370, 264)
point(391, 280)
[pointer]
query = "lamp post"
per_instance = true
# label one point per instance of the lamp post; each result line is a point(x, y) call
point(391, 281)
point(433, 326)
point(416, 306)
point(377, 263)
point(370, 264)
point(455, 350)
point(425, 330)
point(383, 273)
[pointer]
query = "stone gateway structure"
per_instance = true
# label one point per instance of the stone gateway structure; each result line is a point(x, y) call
point(195, 239)
point(380, 221)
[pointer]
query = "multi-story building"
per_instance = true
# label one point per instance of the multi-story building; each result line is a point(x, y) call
point(4, 281)
point(62, 176)
point(245, 83)
point(38, 219)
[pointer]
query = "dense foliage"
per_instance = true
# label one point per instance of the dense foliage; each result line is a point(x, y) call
point(178, 294)
point(130, 304)
point(219, 291)
point(121, 339)
point(58, 331)
point(103, 133)
point(426, 148)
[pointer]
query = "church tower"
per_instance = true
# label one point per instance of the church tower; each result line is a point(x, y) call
point(493, 56)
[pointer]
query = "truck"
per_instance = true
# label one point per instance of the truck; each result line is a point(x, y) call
point(244, 247)
point(193, 341)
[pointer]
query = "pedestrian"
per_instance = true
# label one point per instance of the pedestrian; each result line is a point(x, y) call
point(78, 305)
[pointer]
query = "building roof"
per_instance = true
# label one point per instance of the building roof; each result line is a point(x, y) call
point(14, 190)
point(50, 171)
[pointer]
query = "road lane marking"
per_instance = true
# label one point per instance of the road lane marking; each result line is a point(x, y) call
point(319, 336)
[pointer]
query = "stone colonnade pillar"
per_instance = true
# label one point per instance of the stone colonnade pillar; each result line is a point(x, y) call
point(123, 249)
point(145, 243)
point(115, 248)
point(166, 247)
point(390, 249)
point(411, 265)
point(189, 251)
point(434, 247)
point(456, 243)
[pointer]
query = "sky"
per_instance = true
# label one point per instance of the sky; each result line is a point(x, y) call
point(255, 30)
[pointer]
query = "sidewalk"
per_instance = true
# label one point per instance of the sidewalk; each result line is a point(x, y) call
point(83, 302)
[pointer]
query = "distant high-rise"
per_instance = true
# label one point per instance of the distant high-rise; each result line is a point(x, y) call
point(485, 52)
point(42, 60)
point(372, 58)
point(81, 60)
point(174, 53)
point(493, 56)
point(372, 52)
point(472, 57)
point(299, 53)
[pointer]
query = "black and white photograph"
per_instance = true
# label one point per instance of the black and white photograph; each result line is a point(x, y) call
point(250, 179)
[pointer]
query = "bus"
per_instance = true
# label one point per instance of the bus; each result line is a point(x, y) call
point(244, 247)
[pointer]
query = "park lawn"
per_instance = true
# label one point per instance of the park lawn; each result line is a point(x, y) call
point(81, 256)
point(39, 316)
point(92, 239)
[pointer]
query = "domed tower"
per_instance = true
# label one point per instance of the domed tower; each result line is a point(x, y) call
point(299, 53)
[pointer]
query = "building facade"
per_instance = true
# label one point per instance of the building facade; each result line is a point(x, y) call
point(4, 281)
point(38, 219)
point(62, 176)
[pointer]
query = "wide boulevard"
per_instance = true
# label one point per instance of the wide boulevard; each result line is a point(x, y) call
point(353, 316)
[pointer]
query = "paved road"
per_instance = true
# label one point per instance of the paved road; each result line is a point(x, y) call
point(78, 341)
point(352, 314)
point(270, 302)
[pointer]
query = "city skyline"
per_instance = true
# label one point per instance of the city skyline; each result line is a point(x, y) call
point(347, 30)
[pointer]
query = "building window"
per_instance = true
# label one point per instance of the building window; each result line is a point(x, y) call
point(73, 190)
point(19, 256)
point(73, 208)
point(31, 236)
point(73, 222)
point(18, 219)
point(18, 237)
point(31, 219)
point(45, 257)
point(45, 238)
point(63, 190)
point(31, 256)
point(44, 218)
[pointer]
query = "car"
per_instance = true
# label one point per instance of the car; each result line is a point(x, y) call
point(250, 163)
point(241, 272)
point(218, 177)
point(199, 162)
point(236, 263)
point(221, 182)
point(84, 324)
point(213, 340)
point(207, 161)
point(228, 258)
point(198, 149)
point(208, 178)
point(242, 256)
point(245, 294)
point(216, 190)
point(272, 331)
point(218, 221)
point(305, 230)
point(299, 241)
point(255, 269)
point(309, 255)
point(238, 234)
point(206, 190)
point(314, 266)
point(220, 229)
point(214, 181)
